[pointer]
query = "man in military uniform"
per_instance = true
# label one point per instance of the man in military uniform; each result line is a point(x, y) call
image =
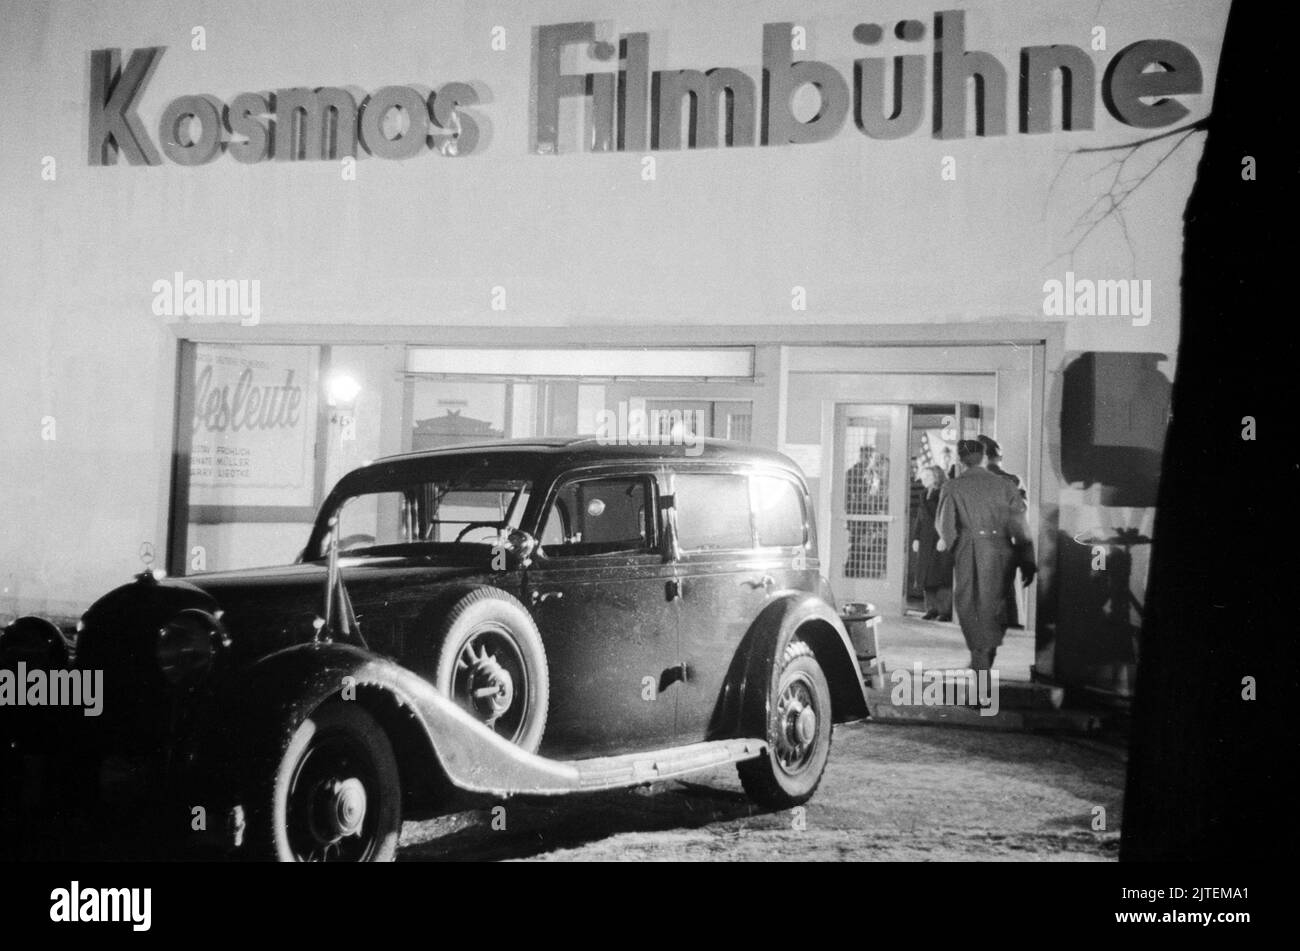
point(993, 462)
point(982, 519)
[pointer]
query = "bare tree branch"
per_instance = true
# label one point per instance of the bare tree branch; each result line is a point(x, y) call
point(1198, 126)
point(1110, 203)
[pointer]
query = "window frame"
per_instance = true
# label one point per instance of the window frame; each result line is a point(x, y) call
point(677, 472)
point(801, 496)
point(654, 512)
point(749, 474)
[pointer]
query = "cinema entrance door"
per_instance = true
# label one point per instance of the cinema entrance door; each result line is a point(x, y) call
point(864, 421)
point(870, 505)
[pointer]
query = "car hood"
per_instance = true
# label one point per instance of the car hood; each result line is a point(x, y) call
point(264, 609)
point(261, 598)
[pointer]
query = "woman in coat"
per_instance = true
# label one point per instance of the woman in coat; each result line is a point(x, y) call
point(934, 568)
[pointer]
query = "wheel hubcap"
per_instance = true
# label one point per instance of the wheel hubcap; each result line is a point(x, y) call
point(491, 681)
point(807, 725)
point(330, 816)
point(492, 687)
point(345, 806)
point(796, 726)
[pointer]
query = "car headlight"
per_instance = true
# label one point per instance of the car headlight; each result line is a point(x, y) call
point(187, 646)
point(34, 642)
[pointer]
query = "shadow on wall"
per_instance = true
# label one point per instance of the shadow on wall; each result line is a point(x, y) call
point(1114, 410)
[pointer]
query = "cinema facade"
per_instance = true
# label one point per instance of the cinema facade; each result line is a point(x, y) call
point(256, 251)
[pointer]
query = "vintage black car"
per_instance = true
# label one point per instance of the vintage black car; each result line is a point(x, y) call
point(523, 617)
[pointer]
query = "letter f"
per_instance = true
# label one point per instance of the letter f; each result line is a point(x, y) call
point(113, 95)
point(551, 83)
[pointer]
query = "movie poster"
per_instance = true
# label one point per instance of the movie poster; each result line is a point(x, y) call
point(254, 426)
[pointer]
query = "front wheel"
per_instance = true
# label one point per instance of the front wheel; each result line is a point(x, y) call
point(335, 794)
point(798, 734)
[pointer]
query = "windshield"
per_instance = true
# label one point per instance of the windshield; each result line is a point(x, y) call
point(429, 513)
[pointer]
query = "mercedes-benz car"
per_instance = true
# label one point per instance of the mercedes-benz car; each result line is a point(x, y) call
point(536, 617)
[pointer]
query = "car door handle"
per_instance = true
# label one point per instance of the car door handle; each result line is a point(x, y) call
point(767, 581)
point(540, 596)
point(681, 673)
point(673, 589)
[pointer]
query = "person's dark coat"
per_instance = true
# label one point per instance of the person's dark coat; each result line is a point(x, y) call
point(981, 520)
point(1013, 479)
point(933, 568)
point(1013, 607)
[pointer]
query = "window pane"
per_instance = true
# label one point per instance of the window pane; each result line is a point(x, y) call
point(643, 361)
point(379, 519)
point(779, 512)
point(713, 511)
point(600, 516)
point(429, 512)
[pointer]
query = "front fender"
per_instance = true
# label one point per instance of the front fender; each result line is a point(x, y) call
point(278, 692)
point(809, 618)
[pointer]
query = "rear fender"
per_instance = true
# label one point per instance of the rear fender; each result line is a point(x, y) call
point(744, 707)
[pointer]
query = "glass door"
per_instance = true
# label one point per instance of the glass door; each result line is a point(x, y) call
point(869, 501)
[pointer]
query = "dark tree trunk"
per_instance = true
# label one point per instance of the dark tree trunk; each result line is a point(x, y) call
point(1207, 765)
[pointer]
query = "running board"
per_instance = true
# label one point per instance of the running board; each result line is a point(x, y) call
point(477, 760)
point(611, 772)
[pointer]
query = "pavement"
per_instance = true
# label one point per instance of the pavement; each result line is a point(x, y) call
point(905, 640)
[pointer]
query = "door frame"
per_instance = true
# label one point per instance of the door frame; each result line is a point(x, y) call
point(1019, 377)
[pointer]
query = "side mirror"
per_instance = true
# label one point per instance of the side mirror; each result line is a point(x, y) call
point(519, 547)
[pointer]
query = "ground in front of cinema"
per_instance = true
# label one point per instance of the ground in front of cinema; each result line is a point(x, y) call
point(904, 790)
point(891, 792)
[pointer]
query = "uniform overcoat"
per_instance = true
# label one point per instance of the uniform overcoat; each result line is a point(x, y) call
point(981, 519)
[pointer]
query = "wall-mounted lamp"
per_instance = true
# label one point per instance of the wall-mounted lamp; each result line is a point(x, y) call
point(341, 392)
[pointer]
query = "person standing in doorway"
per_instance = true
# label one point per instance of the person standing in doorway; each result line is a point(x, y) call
point(993, 461)
point(934, 567)
point(981, 519)
point(866, 492)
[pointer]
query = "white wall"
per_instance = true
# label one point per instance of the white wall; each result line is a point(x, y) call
point(719, 237)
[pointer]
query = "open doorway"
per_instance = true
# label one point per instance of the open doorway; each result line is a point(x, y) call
point(844, 400)
point(880, 449)
point(932, 435)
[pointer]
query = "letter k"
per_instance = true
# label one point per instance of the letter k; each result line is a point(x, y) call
point(113, 95)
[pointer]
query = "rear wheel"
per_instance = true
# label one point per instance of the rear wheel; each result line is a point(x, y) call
point(798, 733)
point(335, 795)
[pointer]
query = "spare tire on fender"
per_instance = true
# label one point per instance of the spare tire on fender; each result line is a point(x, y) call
point(491, 661)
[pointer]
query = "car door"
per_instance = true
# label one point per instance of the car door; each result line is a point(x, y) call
point(603, 596)
point(723, 587)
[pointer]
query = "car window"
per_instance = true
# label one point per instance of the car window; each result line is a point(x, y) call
point(712, 511)
point(600, 516)
point(778, 512)
point(430, 512)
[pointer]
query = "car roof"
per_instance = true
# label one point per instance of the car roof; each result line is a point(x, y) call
point(580, 450)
